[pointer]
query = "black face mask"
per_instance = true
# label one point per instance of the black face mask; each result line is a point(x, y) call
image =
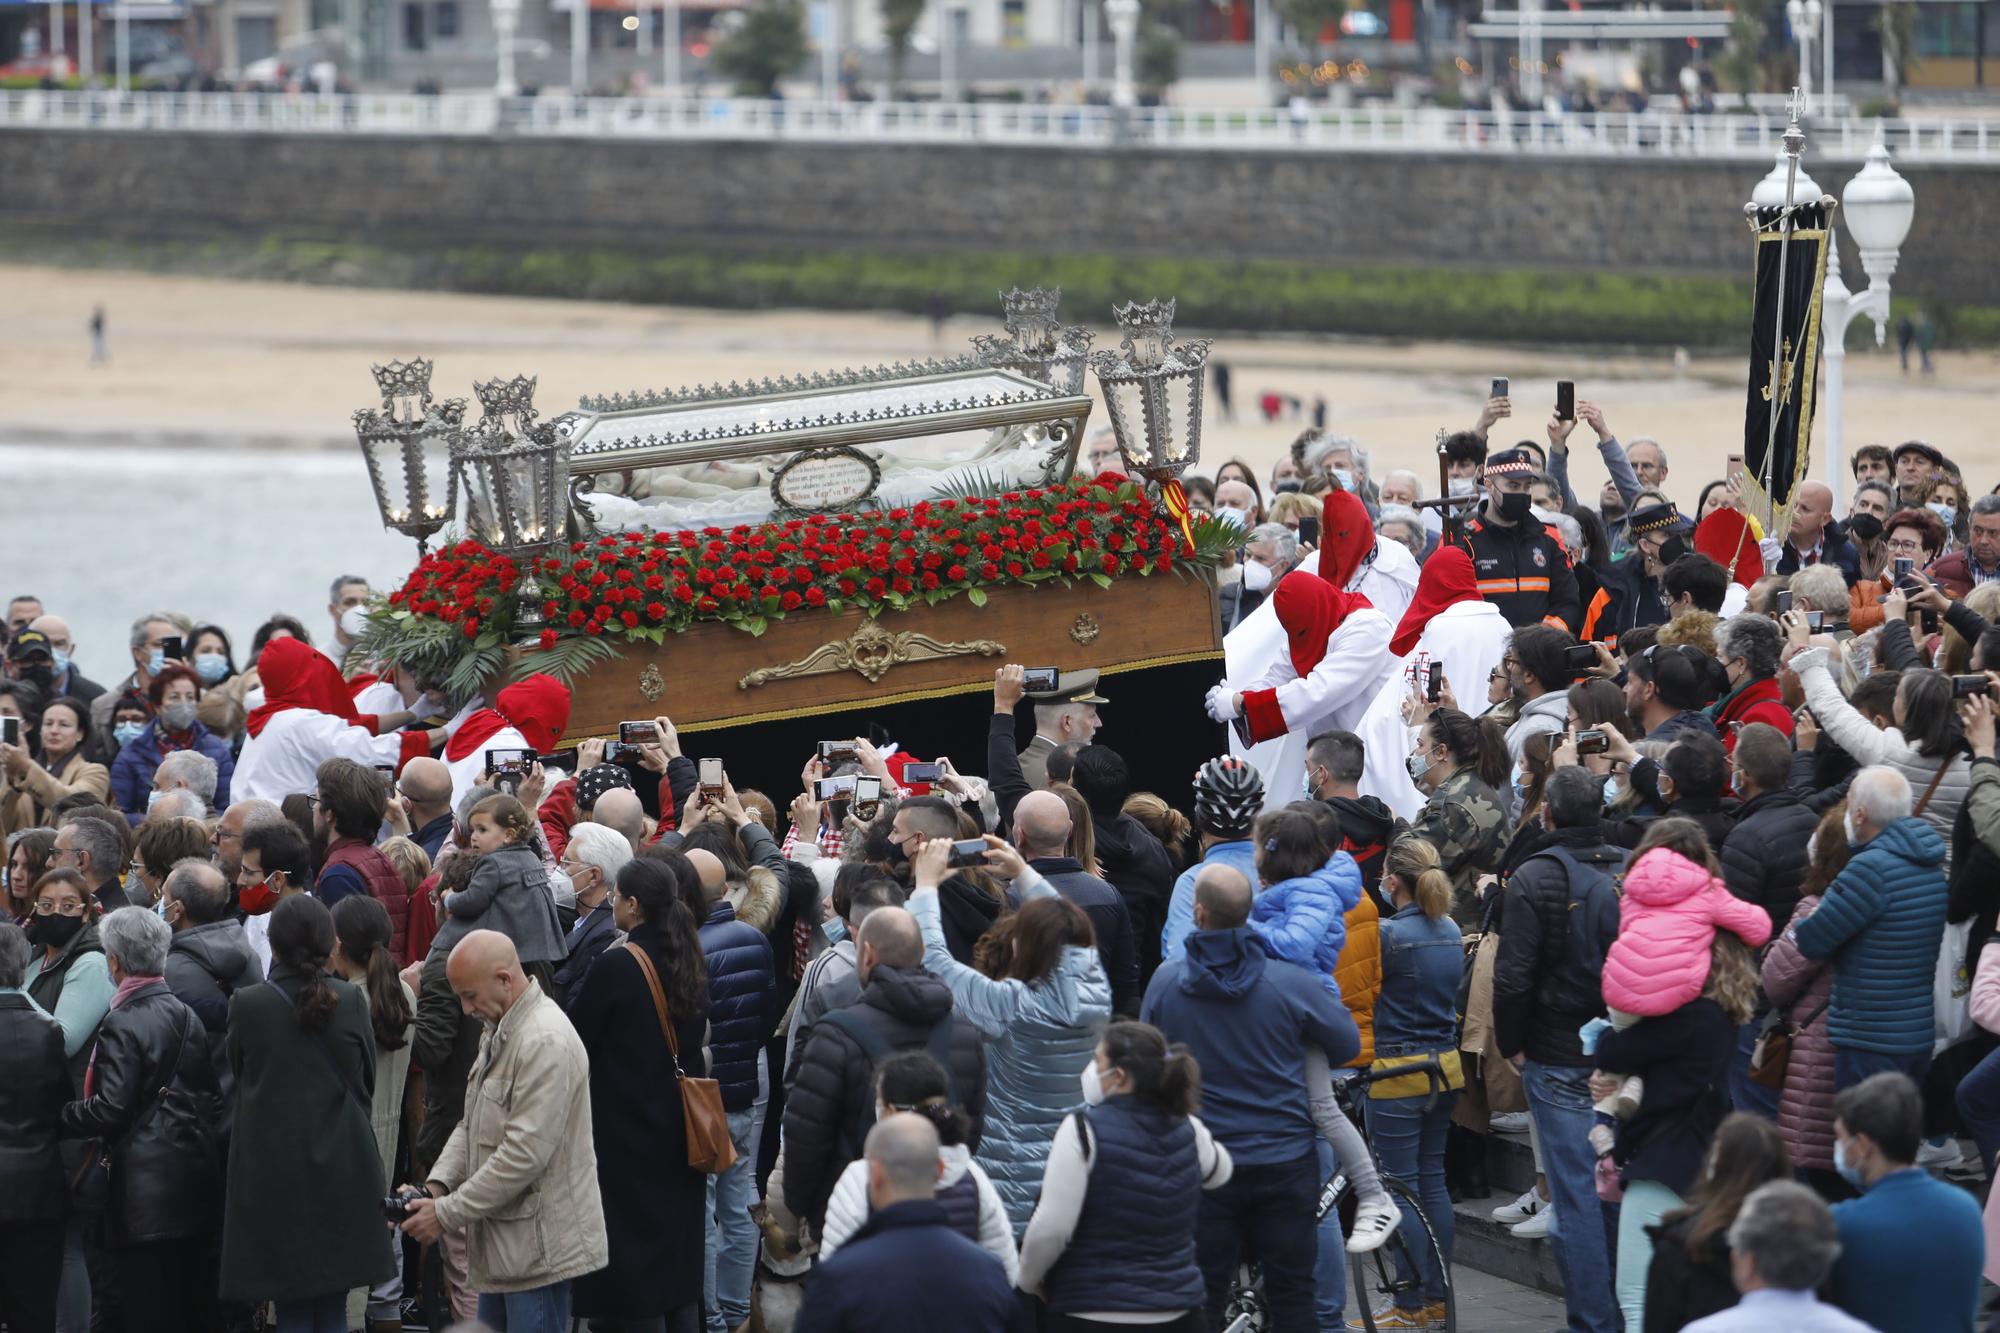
point(54, 931)
point(1672, 549)
point(41, 675)
point(1865, 527)
point(1514, 506)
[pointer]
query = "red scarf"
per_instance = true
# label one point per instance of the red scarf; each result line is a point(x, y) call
point(296, 675)
point(537, 707)
point(1311, 610)
point(1447, 580)
point(1346, 538)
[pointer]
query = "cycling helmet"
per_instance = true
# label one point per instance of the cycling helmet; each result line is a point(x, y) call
point(1228, 793)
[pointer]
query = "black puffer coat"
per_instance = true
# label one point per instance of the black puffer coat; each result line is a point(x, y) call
point(1765, 856)
point(1535, 978)
point(165, 1175)
point(832, 1101)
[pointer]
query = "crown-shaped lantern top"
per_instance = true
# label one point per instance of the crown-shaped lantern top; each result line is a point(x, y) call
point(1149, 332)
point(1036, 344)
point(1031, 318)
point(507, 398)
point(405, 385)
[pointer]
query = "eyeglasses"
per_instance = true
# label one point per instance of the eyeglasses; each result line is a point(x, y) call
point(312, 802)
point(1903, 545)
point(45, 907)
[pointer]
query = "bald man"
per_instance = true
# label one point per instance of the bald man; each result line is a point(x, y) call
point(713, 874)
point(1815, 538)
point(1041, 834)
point(65, 678)
point(423, 794)
point(832, 1100)
point(906, 1267)
point(1248, 1019)
point(526, 1134)
point(619, 809)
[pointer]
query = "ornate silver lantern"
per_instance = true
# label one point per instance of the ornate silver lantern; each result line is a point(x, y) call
point(516, 471)
point(407, 445)
point(1152, 388)
point(1037, 345)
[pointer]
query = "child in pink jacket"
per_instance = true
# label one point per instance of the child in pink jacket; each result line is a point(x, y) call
point(1659, 962)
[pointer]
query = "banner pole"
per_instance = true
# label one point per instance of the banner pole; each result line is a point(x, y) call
point(1795, 143)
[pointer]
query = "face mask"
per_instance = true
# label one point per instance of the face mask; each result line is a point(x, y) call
point(1287, 486)
point(1234, 517)
point(52, 932)
point(1418, 764)
point(1848, 1171)
point(127, 732)
point(1865, 527)
point(211, 667)
point(1342, 477)
point(258, 899)
point(1520, 784)
point(160, 909)
point(153, 799)
point(1614, 791)
point(1463, 486)
point(1311, 787)
point(353, 621)
point(1256, 577)
point(1514, 506)
point(59, 661)
point(1949, 513)
point(156, 662)
point(1093, 1085)
point(178, 717)
point(1672, 549)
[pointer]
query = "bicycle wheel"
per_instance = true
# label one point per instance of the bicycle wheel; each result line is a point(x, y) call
point(1376, 1279)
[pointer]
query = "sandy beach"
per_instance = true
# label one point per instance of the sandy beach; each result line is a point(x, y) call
point(203, 362)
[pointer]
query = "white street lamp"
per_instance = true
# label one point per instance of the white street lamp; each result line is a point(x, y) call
point(579, 47)
point(1879, 206)
point(1804, 18)
point(506, 14)
point(1123, 15)
point(1770, 192)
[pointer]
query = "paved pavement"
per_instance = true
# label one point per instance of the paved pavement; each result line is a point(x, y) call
point(1487, 1304)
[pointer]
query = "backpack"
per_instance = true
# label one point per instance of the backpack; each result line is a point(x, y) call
point(1593, 923)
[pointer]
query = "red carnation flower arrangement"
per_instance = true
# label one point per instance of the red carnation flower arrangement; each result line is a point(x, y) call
point(645, 585)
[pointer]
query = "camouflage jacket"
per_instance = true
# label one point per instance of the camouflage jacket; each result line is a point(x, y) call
point(1465, 822)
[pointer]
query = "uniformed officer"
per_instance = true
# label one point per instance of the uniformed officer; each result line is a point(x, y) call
point(1632, 594)
point(1066, 713)
point(1520, 561)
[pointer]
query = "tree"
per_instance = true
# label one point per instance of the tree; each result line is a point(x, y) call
point(1308, 18)
point(1159, 60)
point(769, 44)
point(1741, 64)
point(899, 21)
point(1897, 24)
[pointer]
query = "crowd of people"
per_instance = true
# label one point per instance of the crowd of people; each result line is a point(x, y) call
point(1661, 838)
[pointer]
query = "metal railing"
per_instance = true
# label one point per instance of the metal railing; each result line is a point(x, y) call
point(1383, 129)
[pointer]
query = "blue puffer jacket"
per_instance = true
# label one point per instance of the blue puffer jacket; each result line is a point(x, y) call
point(1304, 920)
point(132, 771)
point(741, 989)
point(1040, 1035)
point(1882, 922)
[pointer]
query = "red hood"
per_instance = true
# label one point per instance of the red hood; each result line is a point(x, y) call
point(1447, 579)
point(537, 707)
point(296, 675)
point(1346, 538)
point(1311, 610)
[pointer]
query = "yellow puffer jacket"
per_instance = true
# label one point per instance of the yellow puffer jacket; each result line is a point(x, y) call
point(1359, 974)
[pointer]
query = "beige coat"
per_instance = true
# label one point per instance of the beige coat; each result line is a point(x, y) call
point(520, 1167)
point(25, 803)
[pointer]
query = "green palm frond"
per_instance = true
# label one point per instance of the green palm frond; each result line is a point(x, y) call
point(1213, 538)
point(473, 670)
point(973, 484)
point(567, 660)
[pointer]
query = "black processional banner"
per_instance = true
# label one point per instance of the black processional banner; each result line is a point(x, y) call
point(1797, 343)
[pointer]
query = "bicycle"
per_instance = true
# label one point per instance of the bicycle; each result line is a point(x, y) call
point(1375, 1275)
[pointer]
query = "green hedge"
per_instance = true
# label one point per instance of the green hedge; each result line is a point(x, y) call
point(1513, 305)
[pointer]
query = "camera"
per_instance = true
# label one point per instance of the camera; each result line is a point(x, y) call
point(921, 772)
point(1592, 742)
point(1039, 680)
point(1499, 387)
point(1580, 658)
point(508, 761)
point(637, 733)
point(1566, 400)
point(834, 789)
point(711, 775)
point(396, 1208)
point(836, 752)
point(1434, 688)
point(970, 852)
point(1965, 687)
point(616, 750)
point(173, 648)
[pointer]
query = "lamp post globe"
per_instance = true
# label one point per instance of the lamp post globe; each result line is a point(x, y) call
point(1879, 206)
point(1770, 192)
point(506, 17)
point(1123, 16)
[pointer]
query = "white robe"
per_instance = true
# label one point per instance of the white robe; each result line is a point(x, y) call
point(1469, 638)
point(379, 698)
point(285, 759)
point(465, 772)
point(1250, 650)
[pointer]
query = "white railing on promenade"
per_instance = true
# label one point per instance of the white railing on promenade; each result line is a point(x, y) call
point(1364, 129)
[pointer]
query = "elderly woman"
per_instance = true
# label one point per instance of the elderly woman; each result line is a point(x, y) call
point(35, 782)
point(149, 1101)
point(175, 694)
point(1747, 646)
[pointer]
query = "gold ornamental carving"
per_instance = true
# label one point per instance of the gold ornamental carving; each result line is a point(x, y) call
point(650, 683)
point(870, 652)
point(1086, 628)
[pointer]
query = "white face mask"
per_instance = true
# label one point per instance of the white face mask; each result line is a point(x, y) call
point(1343, 477)
point(1093, 1085)
point(353, 621)
point(1238, 518)
point(1949, 513)
point(1463, 486)
point(1256, 576)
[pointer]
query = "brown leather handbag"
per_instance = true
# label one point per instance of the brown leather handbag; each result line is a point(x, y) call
point(710, 1148)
